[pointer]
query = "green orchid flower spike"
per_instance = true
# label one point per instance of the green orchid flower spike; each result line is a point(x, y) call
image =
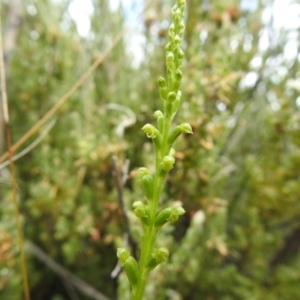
point(163, 137)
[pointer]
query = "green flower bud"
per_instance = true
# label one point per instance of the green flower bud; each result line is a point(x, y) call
point(172, 31)
point(142, 172)
point(123, 254)
point(175, 133)
point(181, 5)
point(160, 119)
point(180, 2)
point(178, 12)
point(161, 82)
point(177, 39)
point(162, 217)
point(158, 256)
point(181, 26)
point(163, 93)
point(171, 97)
point(180, 54)
point(178, 65)
point(170, 56)
point(147, 182)
point(158, 114)
point(132, 270)
point(178, 75)
point(141, 210)
point(162, 88)
point(170, 61)
point(171, 35)
point(176, 103)
point(153, 134)
point(177, 18)
point(150, 131)
point(180, 33)
point(168, 47)
point(176, 85)
point(186, 128)
point(174, 9)
point(170, 75)
point(167, 163)
point(175, 213)
point(170, 214)
point(148, 186)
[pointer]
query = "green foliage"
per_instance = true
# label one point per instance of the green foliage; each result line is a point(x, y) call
point(237, 177)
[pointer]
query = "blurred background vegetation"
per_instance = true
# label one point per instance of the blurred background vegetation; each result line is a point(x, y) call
point(238, 176)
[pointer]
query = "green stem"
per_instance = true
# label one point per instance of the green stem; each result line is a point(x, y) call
point(162, 149)
point(148, 240)
point(149, 234)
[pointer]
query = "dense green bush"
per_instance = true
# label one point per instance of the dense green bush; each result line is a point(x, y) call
point(237, 177)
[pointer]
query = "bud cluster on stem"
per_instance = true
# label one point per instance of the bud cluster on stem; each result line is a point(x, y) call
point(163, 138)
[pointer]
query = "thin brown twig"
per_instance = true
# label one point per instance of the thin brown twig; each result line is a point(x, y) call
point(66, 96)
point(12, 171)
point(70, 92)
point(63, 273)
point(119, 185)
point(31, 146)
point(70, 290)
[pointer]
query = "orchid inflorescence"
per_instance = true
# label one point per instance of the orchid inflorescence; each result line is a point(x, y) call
point(163, 138)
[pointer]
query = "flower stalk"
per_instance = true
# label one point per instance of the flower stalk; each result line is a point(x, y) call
point(163, 138)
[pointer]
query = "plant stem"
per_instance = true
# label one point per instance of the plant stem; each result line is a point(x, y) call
point(163, 140)
point(149, 234)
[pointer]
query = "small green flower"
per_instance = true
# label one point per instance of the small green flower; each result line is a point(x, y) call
point(176, 132)
point(158, 114)
point(153, 134)
point(142, 172)
point(147, 182)
point(175, 213)
point(186, 128)
point(162, 82)
point(170, 61)
point(177, 39)
point(158, 256)
point(171, 97)
point(141, 210)
point(123, 254)
point(150, 131)
point(178, 75)
point(180, 2)
point(163, 91)
point(168, 47)
point(170, 214)
point(167, 163)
